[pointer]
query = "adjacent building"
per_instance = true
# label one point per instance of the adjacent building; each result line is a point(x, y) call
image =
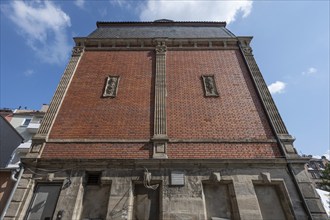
point(163, 120)
point(17, 129)
point(315, 168)
point(10, 139)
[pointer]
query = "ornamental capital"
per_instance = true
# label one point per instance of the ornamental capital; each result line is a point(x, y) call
point(76, 51)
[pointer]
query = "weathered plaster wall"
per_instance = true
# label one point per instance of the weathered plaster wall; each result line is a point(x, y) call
point(177, 202)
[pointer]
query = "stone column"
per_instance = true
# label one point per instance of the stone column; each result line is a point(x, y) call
point(160, 138)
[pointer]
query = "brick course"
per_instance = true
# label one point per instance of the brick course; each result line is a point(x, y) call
point(174, 151)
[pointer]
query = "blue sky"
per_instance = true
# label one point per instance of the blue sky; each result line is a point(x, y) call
point(291, 46)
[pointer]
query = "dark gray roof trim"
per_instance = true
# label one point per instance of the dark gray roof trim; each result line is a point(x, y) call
point(160, 31)
point(161, 22)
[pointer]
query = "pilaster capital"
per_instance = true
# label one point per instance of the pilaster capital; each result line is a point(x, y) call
point(161, 47)
point(77, 51)
point(244, 43)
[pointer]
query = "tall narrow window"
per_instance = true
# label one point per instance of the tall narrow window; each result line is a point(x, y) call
point(44, 202)
point(111, 86)
point(210, 88)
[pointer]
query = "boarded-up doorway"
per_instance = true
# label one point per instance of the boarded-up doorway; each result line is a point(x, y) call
point(44, 202)
point(96, 198)
point(220, 201)
point(270, 203)
point(146, 203)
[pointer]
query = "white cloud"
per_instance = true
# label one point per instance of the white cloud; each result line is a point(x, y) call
point(120, 3)
point(80, 3)
point(28, 72)
point(43, 25)
point(195, 10)
point(310, 71)
point(277, 87)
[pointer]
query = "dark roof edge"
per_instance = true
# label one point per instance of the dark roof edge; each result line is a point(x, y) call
point(161, 23)
point(7, 122)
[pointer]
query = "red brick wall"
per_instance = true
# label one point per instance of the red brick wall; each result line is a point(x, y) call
point(85, 114)
point(235, 114)
point(174, 151)
point(223, 150)
point(97, 151)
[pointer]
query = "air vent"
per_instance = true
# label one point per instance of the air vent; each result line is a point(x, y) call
point(177, 178)
point(93, 178)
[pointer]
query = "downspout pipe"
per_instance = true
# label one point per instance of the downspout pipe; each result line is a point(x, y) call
point(13, 191)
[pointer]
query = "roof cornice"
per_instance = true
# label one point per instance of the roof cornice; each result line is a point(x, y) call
point(162, 22)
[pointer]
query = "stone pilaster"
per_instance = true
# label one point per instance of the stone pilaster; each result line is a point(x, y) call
point(48, 120)
point(266, 98)
point(160, 134)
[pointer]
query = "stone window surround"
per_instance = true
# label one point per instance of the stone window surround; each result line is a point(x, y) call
point(113, 93)
point(213, 85)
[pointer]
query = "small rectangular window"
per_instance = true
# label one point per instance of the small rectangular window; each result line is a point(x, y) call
point(26, 122)
point(111, 86)
point(93, 178)
point(210, 88)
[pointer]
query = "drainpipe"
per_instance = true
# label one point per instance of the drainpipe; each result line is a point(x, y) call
point(13, 191)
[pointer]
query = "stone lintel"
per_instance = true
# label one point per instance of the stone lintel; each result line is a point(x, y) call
point(157, 162)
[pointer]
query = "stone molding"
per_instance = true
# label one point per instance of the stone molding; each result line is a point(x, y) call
point(285, 139)
point(155, 163)
point(60, 92)
point(261, 87)
point(151, 44)
point(165, 139)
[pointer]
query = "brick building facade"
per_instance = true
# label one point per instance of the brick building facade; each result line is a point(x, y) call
point(163, 120)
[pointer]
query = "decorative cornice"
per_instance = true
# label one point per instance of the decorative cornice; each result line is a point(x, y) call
point(151, 43)
point(162, 22)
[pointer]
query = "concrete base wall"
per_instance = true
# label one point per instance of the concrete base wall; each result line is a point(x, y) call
point(202, 191)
